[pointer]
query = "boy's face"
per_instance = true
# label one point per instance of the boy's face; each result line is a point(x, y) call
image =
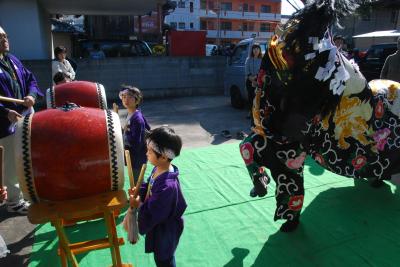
point(152, 157)
point(128, 101)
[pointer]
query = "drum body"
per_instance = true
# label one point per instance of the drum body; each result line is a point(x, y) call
point(69, 153)
point(82, 93)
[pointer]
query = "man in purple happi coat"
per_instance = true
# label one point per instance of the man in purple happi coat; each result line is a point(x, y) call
point(15, 82)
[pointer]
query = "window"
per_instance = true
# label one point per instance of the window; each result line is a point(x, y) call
point(181, 25)
point(265, 27)
point(211, 25)
point(211, 5)
point(265, 9)
point(226, 6)
point(203, 25)
point(203, 4)
point(181, 4)
point(374, 54)
point(173, 25)
point(191, 25)
point(226, 25)
point(142, 49)
point(239, 54)
point(191, 7)
point(244, 27)
point(251, 26)
point(245, 7)
point(252, 9)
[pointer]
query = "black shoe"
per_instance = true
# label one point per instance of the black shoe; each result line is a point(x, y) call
point(226, 134)
point(290, 226)
point(262, 192)
point(260, 188)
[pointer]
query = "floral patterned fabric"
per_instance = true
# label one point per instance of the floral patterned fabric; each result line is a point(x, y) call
point(361, 139)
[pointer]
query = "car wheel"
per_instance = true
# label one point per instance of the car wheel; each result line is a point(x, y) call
point(236, 98)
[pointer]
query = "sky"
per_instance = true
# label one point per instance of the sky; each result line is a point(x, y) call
point(287, 9)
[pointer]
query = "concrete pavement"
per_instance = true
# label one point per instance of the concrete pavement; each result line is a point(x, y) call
point(198, 120)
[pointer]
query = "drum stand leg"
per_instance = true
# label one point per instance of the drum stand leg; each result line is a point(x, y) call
point(64, 245)
point(112, 238)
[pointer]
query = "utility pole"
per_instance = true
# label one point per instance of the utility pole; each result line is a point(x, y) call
point(218, 9)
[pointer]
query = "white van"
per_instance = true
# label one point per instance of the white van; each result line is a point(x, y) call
point(234, 76)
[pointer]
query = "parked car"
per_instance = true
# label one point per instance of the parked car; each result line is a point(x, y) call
point(234, 76)
point(113, 48)
point(372, 63)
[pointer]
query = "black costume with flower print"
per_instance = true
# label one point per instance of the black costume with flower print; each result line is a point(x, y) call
point(313, 101)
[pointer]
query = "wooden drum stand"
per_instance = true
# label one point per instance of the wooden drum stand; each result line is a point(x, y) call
point(103, 206)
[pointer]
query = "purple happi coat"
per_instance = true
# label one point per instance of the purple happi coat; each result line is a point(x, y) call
point(160, 216)
point(135, 139)
point(28, 85)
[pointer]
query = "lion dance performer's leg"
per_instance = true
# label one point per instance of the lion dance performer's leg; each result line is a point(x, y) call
point(252, 149)
point(287, 173)
point(286, 164)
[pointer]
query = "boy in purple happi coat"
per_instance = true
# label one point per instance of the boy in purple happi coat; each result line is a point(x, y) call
point(135, 127)
point(161, 203)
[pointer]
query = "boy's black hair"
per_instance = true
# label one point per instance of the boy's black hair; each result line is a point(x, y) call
point(59, 77)
point(59, 50)
point(165, 138)
point(136, 93)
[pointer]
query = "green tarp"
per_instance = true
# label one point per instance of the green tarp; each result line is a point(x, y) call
point(344, 222)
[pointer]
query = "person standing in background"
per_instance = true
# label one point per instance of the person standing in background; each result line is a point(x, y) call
point(61, 63)
point(252, 66)
point(97, 53)
point(391, 68)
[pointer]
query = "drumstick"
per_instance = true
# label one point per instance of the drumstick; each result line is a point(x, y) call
point(129, 166)
point(9, 99)
point(115, 108)
point(140, 180)
point(1, 166)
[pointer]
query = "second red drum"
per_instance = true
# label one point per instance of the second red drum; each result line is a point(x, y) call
point(82, 93)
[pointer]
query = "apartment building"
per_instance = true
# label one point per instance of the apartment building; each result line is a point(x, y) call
point(227, 21)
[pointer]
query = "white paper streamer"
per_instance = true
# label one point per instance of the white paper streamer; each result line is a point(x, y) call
point(310, 56)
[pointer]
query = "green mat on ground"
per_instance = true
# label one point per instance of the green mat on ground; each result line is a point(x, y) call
point(344, 222)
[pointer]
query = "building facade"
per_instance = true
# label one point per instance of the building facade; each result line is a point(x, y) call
point(227, 21)
point(380, 16)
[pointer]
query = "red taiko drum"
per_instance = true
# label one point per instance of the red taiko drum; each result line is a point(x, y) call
point(69, 153)
point(82, 93)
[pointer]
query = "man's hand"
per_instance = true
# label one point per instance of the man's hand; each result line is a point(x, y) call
point(29, 101)
point(13, 116)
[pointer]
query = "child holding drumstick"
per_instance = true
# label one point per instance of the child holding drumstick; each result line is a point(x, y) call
point(135, 127)
point(161, 203)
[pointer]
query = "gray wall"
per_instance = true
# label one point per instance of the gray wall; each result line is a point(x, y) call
point(28, 27)
point(155, 76)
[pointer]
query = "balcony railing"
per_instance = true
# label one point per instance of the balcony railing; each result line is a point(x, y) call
point(240, 15)
point(237, 34)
